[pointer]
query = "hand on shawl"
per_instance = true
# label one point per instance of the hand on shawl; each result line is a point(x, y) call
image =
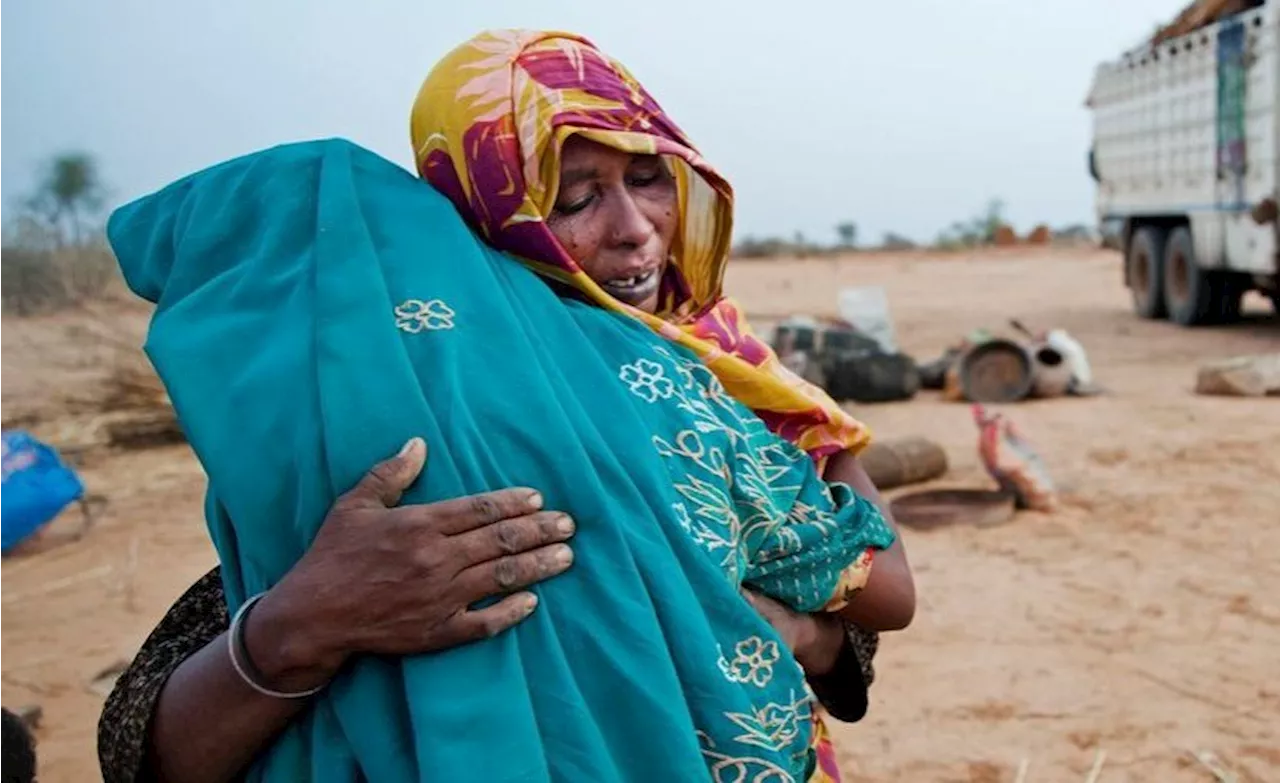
point(394, 580)
point(814, 639)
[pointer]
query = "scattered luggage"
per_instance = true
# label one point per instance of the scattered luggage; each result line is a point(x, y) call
point(849, 364)
point(37, 486)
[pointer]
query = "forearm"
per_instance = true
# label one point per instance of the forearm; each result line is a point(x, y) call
point(210, 724)
point(888, 600)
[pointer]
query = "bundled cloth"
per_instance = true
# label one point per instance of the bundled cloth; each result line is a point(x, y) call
point(1011, 460)
point(37, 487)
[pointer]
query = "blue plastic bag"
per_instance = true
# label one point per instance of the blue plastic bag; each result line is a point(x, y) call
point(37, 486)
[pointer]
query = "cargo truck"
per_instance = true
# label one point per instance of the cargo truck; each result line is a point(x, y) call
point(1184, 156)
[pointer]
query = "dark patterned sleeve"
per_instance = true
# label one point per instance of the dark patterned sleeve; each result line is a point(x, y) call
point(195, 620)
point(843, 690)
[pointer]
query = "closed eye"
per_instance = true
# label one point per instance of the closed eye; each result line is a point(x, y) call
point(575, 206)
point(649, 172)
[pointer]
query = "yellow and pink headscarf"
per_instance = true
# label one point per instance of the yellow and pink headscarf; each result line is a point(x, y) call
point(487, 129)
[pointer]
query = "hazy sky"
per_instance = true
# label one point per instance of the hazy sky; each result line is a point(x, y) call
point(902, 115)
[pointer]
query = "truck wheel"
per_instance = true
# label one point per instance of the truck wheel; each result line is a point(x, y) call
point(1228, 298)
point(1192, 296)
point(1144, 271)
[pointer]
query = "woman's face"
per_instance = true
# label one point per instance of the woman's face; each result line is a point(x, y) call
point(615, 215)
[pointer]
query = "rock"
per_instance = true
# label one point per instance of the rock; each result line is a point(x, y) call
point(1241, 376)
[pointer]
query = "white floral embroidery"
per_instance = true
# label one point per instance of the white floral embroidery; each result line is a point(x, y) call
point(713, 524)
point(753, 661)
point(689, 445)
point(646, 380)
point(415, 315)
point(738, 499)
point(682, 516)
point(725, 768)
point(774, 726)
point(731, 497)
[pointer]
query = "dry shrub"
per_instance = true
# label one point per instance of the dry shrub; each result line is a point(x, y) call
point(133, 385)
point(894, 241)
point(133, 407)
point(138, 411)
point(34, 281)
point(769, 248)
point(87, 385)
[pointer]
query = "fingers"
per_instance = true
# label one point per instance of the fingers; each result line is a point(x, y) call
point(763, 603)
point(514, 572)
point(777, 614)
point(453, 517)
point(385, 484)
point(475, 624)
point(512, 536)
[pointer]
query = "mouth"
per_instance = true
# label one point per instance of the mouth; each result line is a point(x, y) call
point(635, 289)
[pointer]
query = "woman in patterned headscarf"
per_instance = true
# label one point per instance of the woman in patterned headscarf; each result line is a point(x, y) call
point(556, 155)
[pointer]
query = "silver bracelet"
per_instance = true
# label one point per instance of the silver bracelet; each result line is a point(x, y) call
point(236, 648)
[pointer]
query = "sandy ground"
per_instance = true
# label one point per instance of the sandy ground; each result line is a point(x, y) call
point(1142, 620)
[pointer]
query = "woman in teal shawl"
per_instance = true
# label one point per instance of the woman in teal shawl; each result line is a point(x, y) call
point(296, 296)
point(292, 293)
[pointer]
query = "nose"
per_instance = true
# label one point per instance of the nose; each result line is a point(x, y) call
point(629, 226)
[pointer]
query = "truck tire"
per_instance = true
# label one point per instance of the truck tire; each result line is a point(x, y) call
point(1192, 296)
point(1228, 302)
point(1144, 271)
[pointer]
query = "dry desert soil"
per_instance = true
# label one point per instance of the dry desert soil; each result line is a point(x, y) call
point(1135, 626)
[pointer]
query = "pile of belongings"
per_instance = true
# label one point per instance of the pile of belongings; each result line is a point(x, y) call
point(1202, 13)
point(1001, 368)
point(37, 486)
point(855, 357)
point(847, 363)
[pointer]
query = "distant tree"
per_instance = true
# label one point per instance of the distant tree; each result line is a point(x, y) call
point(70, 191)
point(848, 233)
point(751, 247)
point(976, 230)
point(992, 220)
point(800, 245)
point(892, 241)
point(1076, 232)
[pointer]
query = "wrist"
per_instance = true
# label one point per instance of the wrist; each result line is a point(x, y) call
point(288, 644)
